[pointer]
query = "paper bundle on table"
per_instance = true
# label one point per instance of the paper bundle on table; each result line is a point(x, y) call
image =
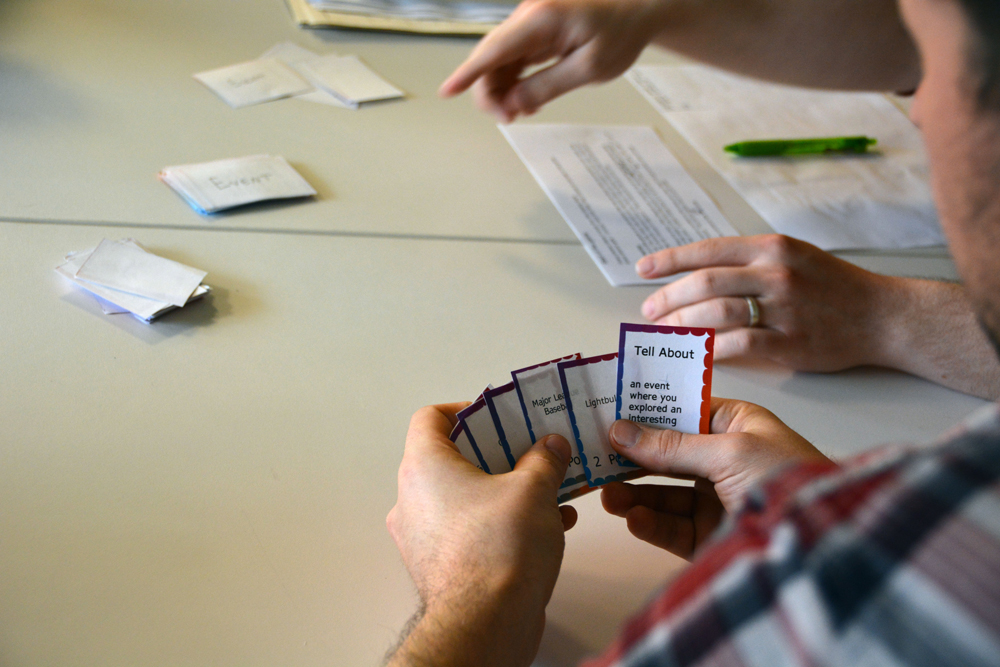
point(126, 278)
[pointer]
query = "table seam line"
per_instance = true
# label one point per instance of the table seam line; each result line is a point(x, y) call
point(292, 232)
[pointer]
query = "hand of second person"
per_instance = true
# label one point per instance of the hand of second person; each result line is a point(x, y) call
point(817, 312)
point(588, 40)
point(747, 444)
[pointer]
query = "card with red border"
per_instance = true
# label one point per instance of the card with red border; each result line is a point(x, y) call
point(665, 376)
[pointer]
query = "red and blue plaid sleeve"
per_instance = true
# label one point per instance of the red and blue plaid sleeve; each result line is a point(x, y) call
point(889, 560)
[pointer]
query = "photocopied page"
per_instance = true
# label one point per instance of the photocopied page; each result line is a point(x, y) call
point(880, 199)
point(620, 190)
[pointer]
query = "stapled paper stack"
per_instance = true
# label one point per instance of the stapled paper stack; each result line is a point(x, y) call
point(660, 376)
point(445, 18)
point(126, 278)
point(215, 186)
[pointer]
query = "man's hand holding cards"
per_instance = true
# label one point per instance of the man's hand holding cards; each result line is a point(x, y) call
point(660, 376)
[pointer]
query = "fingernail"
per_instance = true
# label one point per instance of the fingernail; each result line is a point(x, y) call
point(649, 310)
point(558, 446)
point(644, 266)
point(625, 433)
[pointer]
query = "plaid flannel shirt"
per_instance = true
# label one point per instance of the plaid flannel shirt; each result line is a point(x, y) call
point(892, 558)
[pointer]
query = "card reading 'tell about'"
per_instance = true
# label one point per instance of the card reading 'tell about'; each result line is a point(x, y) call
point(665, 376)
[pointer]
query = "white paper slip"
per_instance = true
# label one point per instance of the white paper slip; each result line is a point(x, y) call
point(589, 386)
point(880, 199)
point(348, 79)
point(620, 190)
point(109, 308)
point(210, 187)
point(665, 377)
point(253, 82)
point(483, 435)
point(124, 267)
point(291, 54)
point(505, 408)
point(541, 396)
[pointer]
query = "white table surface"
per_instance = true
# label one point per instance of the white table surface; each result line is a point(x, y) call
point(98, 97)
point(212, 488)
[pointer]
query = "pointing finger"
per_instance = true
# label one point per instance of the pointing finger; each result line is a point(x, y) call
point(533, 92)
point(526, 35)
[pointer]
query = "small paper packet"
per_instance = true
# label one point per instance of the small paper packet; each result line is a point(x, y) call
point(127, 268)
point(210, 187)
point(348, 79)
point(116, 301)
point(253, 82)
point(293, 55)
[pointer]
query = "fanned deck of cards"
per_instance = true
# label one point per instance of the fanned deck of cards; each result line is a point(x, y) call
point(660, 377)
point(124, 277)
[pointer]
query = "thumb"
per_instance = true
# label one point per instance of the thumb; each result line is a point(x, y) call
point(549, 459)
point(669, 452)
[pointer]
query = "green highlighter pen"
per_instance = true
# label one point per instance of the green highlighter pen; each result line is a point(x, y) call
point(801, 146)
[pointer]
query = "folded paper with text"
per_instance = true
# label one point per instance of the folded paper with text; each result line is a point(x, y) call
point(660, 376)
point(289, 70)
point(253, 82)
point(124, 277)
point(210, 187)
point(878, 199)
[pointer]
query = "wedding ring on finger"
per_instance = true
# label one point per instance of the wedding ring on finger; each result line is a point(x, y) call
point(754, 310)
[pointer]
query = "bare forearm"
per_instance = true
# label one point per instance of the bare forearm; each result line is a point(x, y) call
point(495, 631)
point(430, 642)
point(841, 44)
point(933, 333)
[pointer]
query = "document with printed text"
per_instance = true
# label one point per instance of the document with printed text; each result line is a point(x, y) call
point(879, 199)
point(620, 190)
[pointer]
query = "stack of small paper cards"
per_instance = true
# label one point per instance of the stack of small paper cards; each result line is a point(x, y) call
point(288, 70)
point(660, 376)
point(126, 278)
point(210, 187)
